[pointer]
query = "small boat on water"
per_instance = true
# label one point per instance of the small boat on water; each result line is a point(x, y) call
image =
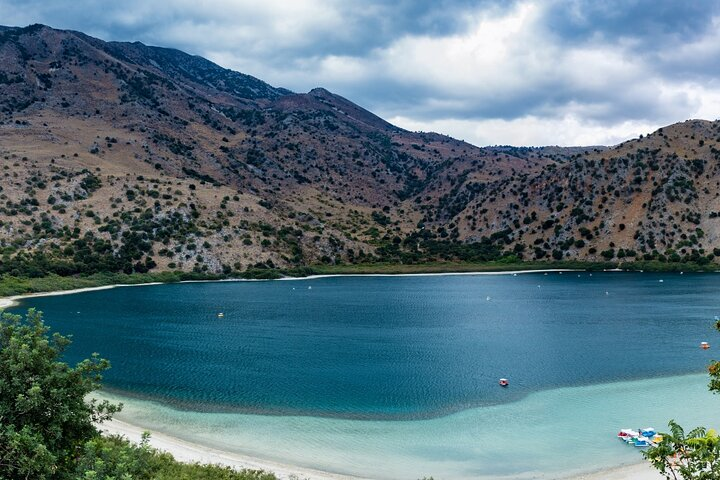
point(627, 432)
point(704, 345)
point(504, 382)
point(642, 438)
point(221, 315)
point(642, 442)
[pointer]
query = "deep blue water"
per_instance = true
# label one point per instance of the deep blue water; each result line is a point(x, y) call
point(388, 347)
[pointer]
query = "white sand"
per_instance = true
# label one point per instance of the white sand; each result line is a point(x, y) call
point(641, 471)
point(191, 452)
point(6, 302)
point(433, 274)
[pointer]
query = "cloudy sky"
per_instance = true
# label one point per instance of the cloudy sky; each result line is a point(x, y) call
point(538, 72)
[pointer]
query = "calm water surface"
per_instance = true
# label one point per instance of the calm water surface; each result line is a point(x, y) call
point(386, 350)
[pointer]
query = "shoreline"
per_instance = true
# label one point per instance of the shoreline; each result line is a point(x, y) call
point(190, 452)
point(6, 302)
point(435, 274)
point(637, 471)
point(13, 300)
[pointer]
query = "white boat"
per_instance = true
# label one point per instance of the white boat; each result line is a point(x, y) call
point(628, 432)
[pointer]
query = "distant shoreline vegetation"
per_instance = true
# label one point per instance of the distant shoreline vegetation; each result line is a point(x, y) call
point(11, 285)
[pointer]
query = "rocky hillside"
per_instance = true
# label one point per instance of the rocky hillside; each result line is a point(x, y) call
point(124, 157)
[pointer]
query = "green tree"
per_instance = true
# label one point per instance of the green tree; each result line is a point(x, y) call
point(45, 419)
point(691, 456)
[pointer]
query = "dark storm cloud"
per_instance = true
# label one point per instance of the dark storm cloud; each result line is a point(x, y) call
point(373, 23)
point(655, 23)
point(601, 63)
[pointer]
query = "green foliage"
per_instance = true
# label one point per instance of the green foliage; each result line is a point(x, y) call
point(90, 183)
point(691, 456)
point(114, 458)
point(44, 417)
point(11, 285)
point(714, 370)
point(694, 455)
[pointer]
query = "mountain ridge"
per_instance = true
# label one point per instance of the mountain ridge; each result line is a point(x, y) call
point(124, 157)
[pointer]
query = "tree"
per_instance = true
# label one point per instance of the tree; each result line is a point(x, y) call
point(694, 455)
point(45, 420)
point(691, 456)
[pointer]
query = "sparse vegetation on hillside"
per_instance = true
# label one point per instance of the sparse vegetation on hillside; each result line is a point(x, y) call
point(127, 159)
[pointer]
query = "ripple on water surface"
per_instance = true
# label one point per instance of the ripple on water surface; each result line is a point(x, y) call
point(387, 347)
point(585, 356)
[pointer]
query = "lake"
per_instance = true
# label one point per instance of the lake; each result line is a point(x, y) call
point(397, 376)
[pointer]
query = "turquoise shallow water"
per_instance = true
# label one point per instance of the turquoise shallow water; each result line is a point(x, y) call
point(546, 435)
point(396, 377)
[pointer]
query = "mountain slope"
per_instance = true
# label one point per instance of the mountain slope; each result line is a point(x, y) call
point(124, 157)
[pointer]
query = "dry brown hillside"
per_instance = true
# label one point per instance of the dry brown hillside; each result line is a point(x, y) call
point(124, 157)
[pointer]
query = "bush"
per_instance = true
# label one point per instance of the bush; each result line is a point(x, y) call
point(114, 458)
point(47, 428)
point(44, 418)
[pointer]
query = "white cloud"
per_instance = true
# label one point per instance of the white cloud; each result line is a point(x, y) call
point(251, 27)
point(532, 131)
point(504, 73)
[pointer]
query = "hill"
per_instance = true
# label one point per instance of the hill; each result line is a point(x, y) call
point(121, 157)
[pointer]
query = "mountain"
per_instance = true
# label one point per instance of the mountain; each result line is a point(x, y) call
point(124, 157)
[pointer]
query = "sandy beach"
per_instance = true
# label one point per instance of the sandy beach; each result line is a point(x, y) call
point(641, 471)
point(192, 452)
point(5, 303)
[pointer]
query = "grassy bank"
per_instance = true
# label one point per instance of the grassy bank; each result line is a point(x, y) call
point(10, 285)
point(453, 267)
point(500, 266)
